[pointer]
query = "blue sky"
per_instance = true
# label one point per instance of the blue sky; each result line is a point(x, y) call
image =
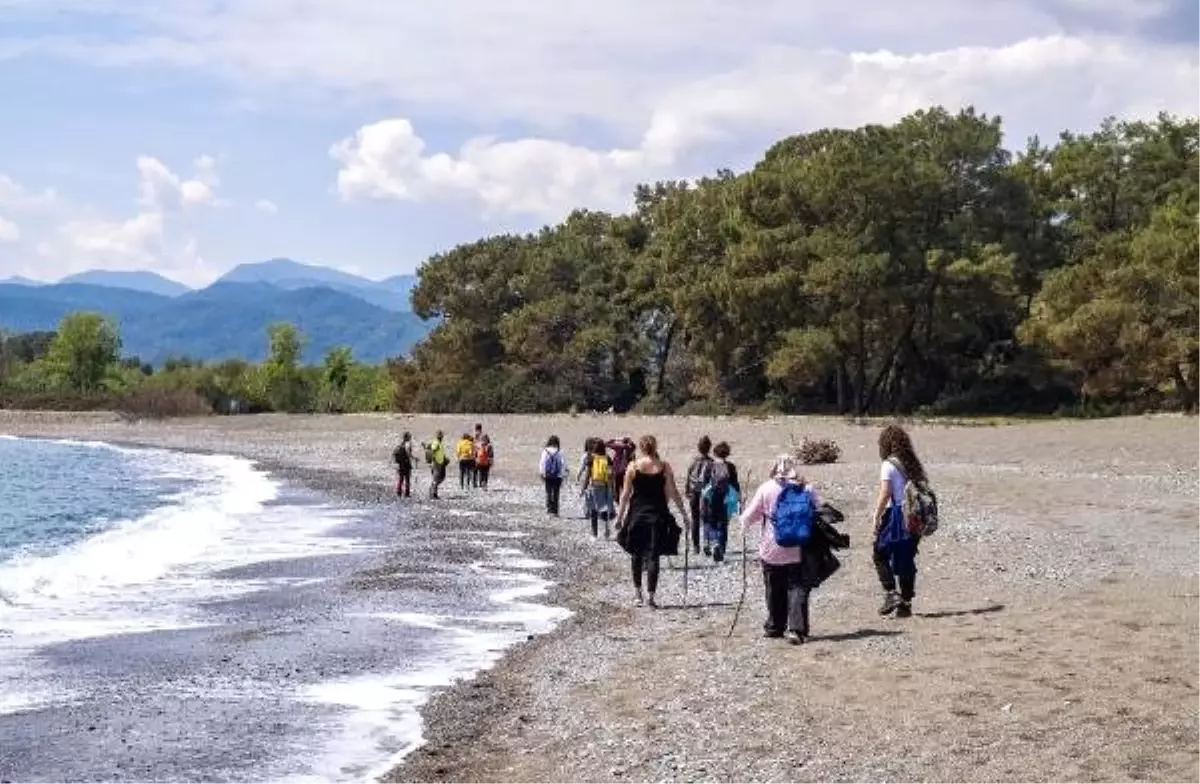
point(187, 136)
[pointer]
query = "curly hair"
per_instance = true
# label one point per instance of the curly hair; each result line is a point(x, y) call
point(894, 442)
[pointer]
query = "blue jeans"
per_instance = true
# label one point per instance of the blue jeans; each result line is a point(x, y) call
point(716, 536)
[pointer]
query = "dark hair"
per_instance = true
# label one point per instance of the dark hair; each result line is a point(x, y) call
point(552, 441)
point(704, 446)
point(722, 450)
point(598, 447)
point(588, 444)
point(895, 443)
point(407, 436)
point(478, 426)
point(649, 446)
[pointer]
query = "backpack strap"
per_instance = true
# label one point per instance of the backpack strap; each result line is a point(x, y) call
point(899, 467)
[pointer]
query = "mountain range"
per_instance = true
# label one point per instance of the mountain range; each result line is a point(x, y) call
point(160, 318)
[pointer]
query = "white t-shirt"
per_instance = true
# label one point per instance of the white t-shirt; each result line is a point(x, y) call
point(895, 479)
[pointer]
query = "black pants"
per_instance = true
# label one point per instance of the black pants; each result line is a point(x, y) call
point(787, 599)
point(437, 475)
point(466, 473)
point(694, 508)
point(896, 562)
point(553, 490)
point(650, 565)
point(481, 475)
point(404, 482)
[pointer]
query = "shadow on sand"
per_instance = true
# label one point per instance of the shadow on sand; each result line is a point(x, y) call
point(991, 608)
point(861, 634)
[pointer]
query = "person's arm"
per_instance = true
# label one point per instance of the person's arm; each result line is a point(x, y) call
point(544, 463)
point(882, 499)
point(733, 479)
point(626, 492)
point(754, 512)
point(673, 491)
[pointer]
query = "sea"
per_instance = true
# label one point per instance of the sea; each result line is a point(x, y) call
point(180, 617)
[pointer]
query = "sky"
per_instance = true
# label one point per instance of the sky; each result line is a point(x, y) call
point(189, 136)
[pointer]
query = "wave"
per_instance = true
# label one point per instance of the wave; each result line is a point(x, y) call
point(149, 573)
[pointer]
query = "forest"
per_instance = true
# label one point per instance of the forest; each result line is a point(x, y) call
point(919, 267)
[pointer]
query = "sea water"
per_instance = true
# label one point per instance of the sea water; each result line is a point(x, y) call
point(169, 616)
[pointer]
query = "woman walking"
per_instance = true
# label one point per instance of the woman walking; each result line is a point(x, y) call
point(551, 468)
point(784, 579)
point(720, 501)
point(895, 547)
point(597, 476)
point(465, 452)
point(645, 528)
point(485, 455)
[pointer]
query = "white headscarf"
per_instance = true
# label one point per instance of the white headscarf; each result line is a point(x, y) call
point(784, 469)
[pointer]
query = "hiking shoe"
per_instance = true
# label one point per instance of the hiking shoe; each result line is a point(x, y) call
point(772, 635)
point(638, 600)
point(904, 610)
point(651, 603)
point(890, 602)
point(794, 637)
point(707, 550)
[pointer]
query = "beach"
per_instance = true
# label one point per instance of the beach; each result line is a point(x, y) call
point(1054, 634)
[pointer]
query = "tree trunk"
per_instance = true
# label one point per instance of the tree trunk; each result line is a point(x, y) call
point(1187, 395)
point(664, 355)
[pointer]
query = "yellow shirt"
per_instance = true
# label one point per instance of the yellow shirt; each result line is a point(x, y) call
point(465, 449)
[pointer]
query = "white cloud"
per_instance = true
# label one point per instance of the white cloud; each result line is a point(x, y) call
point(159, 188)
point(267, 206)
point(1037, 85)
point(14, 196)
point(9, 231)
point(155, 237)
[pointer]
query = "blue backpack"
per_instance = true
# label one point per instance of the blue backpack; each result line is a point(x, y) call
point(794, 515)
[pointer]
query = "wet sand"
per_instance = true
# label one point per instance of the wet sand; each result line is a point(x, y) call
point(1055, 635)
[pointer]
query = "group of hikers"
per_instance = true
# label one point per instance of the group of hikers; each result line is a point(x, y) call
point(631, 491)
point(474, 453)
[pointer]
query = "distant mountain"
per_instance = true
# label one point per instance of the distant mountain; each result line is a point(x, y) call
point(223, 321)
point(149, 282)
point(18, 280)
point(392, 293)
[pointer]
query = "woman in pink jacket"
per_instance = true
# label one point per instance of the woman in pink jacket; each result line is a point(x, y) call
point(783, 578)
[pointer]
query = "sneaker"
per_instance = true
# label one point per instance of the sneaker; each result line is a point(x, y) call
point(638, 600)
point(904, 610)
point(794, 637)
point(772, 635)
point(707, 550)
point(651, 603)
point(890, 602)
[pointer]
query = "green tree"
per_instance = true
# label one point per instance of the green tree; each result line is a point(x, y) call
point(282, 381)
point(85, 349)
point(338, 364)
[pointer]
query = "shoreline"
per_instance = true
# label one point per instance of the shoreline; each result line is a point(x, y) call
point(1074, 657)
point(455, 708)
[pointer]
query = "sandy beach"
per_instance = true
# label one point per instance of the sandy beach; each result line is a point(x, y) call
point(1054, 637)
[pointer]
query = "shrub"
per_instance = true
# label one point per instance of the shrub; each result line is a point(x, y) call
point(159, 402)
point(819, 450)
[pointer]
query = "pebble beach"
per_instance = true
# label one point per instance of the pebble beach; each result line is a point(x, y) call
point(1054, 635)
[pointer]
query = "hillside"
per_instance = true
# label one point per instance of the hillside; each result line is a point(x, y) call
point(225, 320)
point(391, 294)
point(149, 282)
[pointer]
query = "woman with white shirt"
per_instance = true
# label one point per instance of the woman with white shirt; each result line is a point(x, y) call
point(784, 580)
point(895, 547)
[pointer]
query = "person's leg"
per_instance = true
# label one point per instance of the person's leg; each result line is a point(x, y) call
point(555, 494)
point(775, 581)
point(797, 603)
point(694, 509)
point(720, 538)
point(904, 564)
point(652, 579)
point(595, 520)
point(484, 473)
point(882, 556)
point(635, 563)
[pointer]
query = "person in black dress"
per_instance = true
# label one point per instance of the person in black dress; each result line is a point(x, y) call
point(645, 528)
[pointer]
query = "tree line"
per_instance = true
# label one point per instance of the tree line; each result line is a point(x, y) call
point(918, 266)
point(80, 366)
point(914, 267)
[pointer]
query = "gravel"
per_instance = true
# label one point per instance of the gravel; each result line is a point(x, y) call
point(1055, 634)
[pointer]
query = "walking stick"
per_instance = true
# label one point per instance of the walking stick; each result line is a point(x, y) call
point(686, 547)
point(741, 599)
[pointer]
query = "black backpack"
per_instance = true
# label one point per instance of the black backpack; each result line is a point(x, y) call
point(715, 493)
point(698, 475)
point(403, 458)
